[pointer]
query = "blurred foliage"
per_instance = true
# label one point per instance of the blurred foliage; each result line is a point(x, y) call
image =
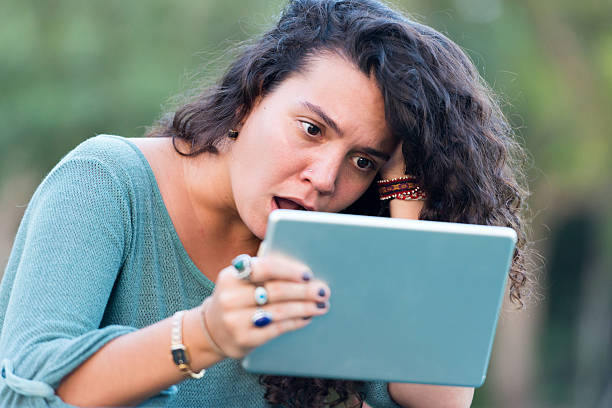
point(71, 69)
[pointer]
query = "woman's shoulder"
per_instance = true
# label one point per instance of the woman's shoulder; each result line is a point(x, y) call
point(119, 156)
point(108, 149)
point(104, 164)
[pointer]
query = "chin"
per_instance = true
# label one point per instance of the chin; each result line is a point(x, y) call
point(259, 229)
point(261, 235)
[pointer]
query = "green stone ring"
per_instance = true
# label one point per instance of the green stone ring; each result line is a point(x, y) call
point(242, 266)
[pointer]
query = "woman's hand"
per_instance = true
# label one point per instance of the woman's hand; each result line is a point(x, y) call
point(396, 166)
point(293, 297)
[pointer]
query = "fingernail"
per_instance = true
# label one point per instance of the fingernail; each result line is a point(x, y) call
point(321, 292)
point(306, 317)
point(306, 276)
point(321, 305)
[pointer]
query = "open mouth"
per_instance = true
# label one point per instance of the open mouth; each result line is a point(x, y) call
point(286, 204)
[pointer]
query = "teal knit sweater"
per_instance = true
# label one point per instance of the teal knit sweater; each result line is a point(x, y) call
point(96, 256)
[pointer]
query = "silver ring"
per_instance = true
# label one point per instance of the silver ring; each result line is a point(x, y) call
point(261, 295)
point(261, 318)
point(242, 267)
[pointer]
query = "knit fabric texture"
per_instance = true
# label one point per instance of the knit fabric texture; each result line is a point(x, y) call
point(96, 256)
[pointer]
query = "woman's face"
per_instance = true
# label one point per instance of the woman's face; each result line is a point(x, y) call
point(316, 143)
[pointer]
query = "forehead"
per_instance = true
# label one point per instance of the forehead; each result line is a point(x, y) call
point(352, 99)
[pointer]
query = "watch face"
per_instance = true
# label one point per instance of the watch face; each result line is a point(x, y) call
point(179, 356)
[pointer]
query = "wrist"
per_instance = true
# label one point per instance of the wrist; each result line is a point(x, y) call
point(401, 188)
point(195, 338)
point(181, 352)
point(410, 209)
point(391, 174)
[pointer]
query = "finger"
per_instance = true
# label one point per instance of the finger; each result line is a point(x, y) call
point(293, 309)
point(287, 310)
point(396, 165)
point(275, 291)
point(283, 291)
point(280, 326)
point(284, 317)
point(280, 268)
point(277, 328)
point(257, 337)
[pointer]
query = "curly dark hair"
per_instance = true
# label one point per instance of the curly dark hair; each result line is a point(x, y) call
point(455, 138)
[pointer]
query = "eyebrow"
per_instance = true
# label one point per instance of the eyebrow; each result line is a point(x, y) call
point(324, 116)
point(316, 109)
point(377, 153)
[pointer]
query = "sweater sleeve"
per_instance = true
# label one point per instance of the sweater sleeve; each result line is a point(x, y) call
point(377, 395)
point(67, 254)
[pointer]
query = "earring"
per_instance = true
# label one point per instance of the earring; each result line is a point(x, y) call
point(232, 134)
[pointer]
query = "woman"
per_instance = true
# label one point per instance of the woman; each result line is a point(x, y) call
point(121, 260)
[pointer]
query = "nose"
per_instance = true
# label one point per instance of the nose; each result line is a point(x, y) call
point(323, 173)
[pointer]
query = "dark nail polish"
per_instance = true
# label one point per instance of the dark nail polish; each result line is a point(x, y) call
point(321, 305)
point(306, 276)
point(321, 292)
point(306, 317)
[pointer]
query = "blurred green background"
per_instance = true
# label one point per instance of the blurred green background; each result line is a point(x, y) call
point(71, 69)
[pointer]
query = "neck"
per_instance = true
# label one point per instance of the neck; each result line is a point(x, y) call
point(208, 189)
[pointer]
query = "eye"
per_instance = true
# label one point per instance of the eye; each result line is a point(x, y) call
point(363, 163)
point(309, 128)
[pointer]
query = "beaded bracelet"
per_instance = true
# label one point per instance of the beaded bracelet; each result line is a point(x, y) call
point(180, 354)
point(403, 188)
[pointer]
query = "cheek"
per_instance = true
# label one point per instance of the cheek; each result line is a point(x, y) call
point(349, 191)
point(265, 167)
point(285, 156)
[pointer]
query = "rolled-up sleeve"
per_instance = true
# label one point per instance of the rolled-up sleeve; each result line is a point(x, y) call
point(65, 260)
point(377, 395)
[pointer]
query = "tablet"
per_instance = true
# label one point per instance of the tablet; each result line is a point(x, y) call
point(411, 301)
